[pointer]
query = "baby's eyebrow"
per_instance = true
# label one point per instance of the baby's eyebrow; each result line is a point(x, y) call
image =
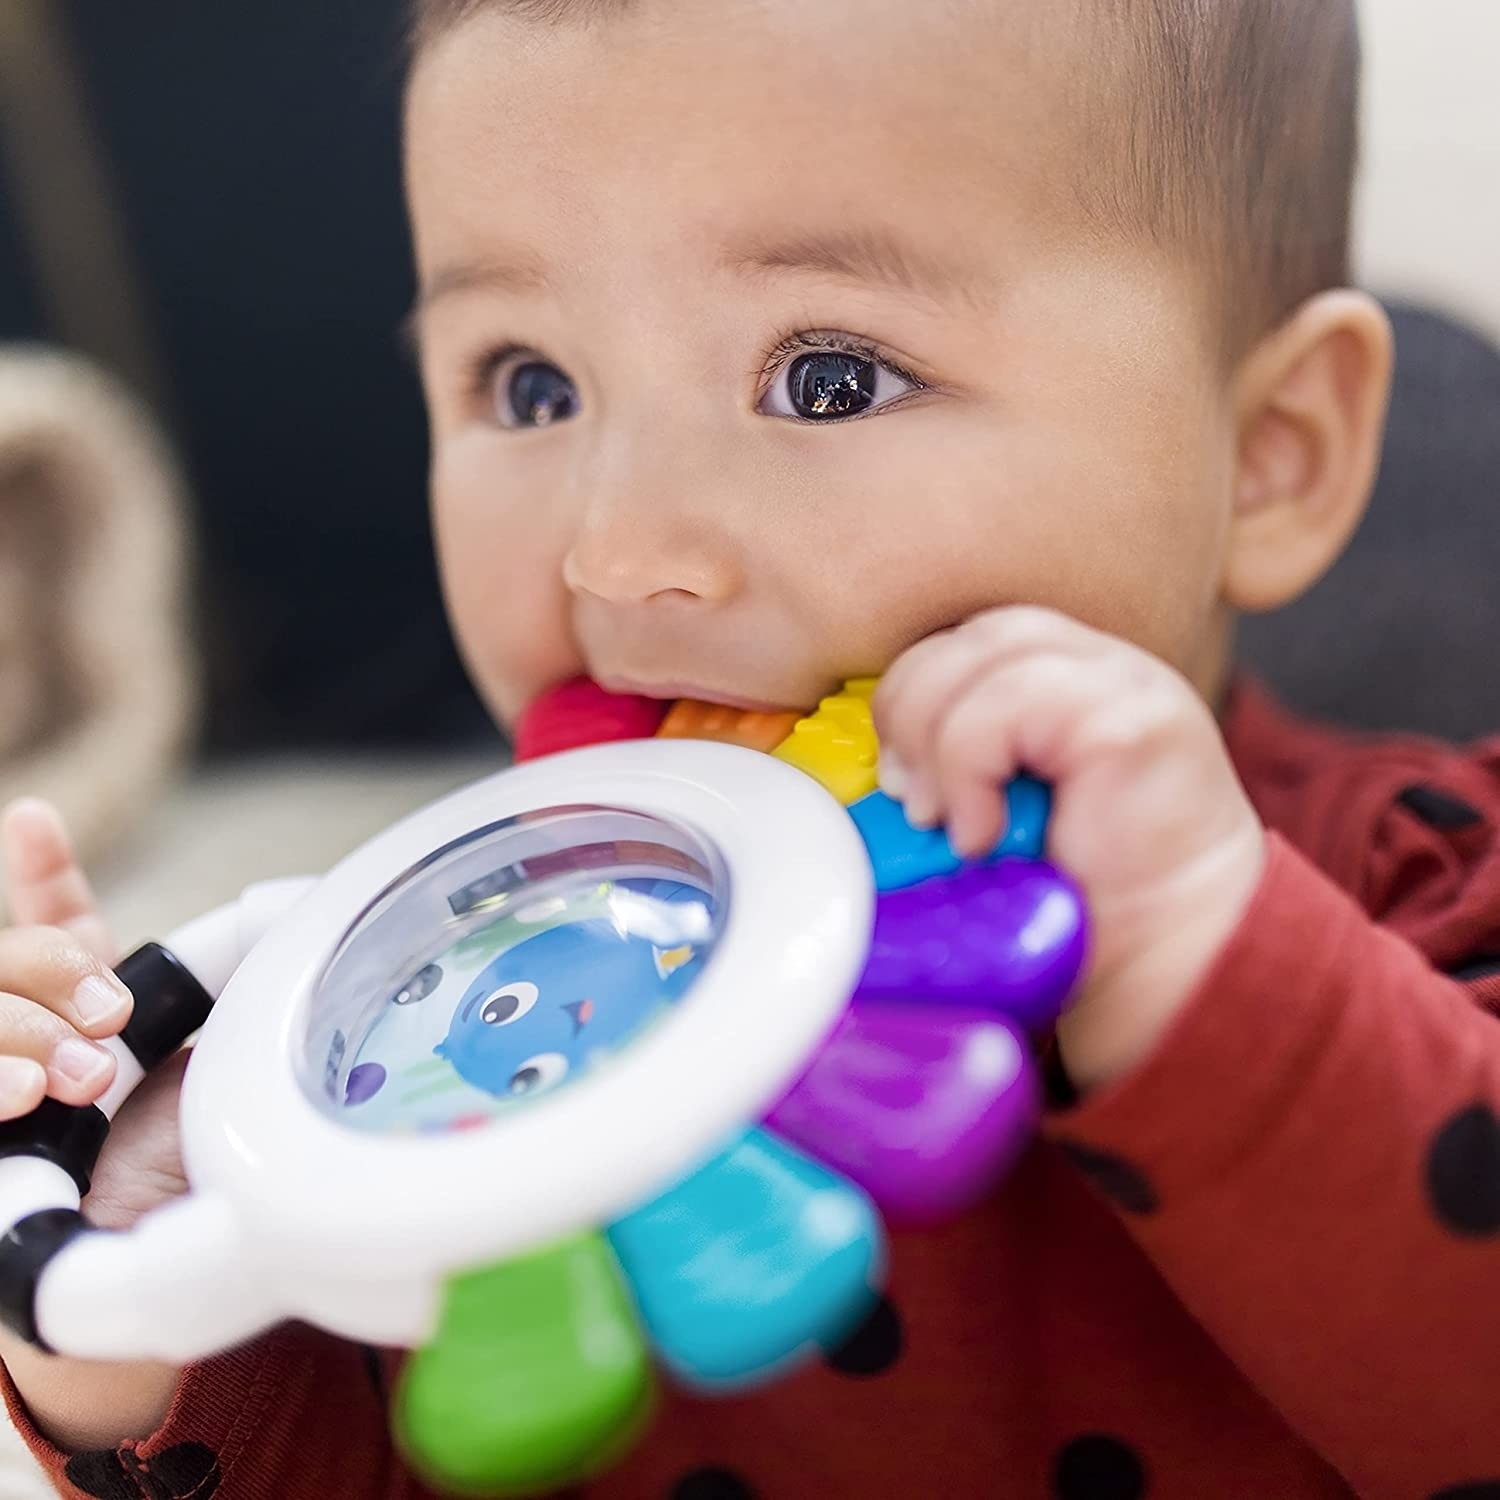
point(864, 256)
point(511, 270)
point(514, 270)
point(861, 255)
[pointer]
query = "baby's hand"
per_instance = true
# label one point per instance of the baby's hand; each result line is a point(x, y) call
point(1149, 816)
point(57, 994)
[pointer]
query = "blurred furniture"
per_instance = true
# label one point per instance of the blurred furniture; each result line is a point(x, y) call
point(97, 678)
point(1401, 633)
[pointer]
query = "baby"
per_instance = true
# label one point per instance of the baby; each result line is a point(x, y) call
point(1001, 349)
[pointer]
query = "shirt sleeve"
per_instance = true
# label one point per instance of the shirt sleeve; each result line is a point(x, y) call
point(1311, 1158)
point(295, 1415)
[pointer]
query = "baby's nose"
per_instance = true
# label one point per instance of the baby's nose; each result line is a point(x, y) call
point(654, 519)
point(624, 570)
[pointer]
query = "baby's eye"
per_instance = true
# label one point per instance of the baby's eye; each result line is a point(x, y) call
point(508, 1004)
point(830, 385)
point(531, 392)
point(543, 1071)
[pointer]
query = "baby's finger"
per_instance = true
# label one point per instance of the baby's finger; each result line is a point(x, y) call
point(44, 884)
point(906, 707)
point(23, 1085)
point(1049, 714)
point(973, 756)
point(75, 1070)
point(915, 699)
point(52, 970)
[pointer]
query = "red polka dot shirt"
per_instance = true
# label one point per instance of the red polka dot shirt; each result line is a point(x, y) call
point(1266, 1265)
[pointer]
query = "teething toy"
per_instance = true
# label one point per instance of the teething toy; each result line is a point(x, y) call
point(613, 1059)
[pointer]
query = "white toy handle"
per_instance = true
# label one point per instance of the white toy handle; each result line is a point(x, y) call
point(174, 1280)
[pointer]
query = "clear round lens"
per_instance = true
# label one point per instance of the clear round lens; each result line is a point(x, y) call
point(509, 965)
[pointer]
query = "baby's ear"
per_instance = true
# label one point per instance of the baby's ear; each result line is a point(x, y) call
point(1310, 401)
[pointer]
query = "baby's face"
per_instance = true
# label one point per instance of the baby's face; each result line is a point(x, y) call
point(762, 339)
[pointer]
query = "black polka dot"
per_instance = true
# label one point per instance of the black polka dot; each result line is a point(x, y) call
point(102, 1475)
point(1439, 809)
point(1097, 1467)
point(1482, 1489)
point(1120, 1182)
point(712, 1484)
point(1483, 966)
point(873, 1347)
point(1062, 1092)
point(374, 1368)
point(1463, 1173)
point(186, 1471)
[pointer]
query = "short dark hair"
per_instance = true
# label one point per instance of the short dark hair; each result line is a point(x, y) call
point(1232, 132)
point(1224, 130)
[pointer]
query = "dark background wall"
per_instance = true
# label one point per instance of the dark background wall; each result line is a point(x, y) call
point(254, 149)
point(18, 308)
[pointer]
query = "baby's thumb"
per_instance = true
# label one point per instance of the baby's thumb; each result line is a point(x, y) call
point(44, 884)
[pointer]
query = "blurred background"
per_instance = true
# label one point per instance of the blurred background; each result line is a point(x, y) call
point(207, 197)
point(205, 200)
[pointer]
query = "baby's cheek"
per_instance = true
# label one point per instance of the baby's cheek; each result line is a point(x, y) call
point(952, 523)
point(1107, 525)
point(502, 581)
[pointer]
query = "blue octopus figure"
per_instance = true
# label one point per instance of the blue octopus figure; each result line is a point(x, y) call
point(544, 1008)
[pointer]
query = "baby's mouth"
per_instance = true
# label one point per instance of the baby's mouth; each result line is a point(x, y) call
point(672, 691)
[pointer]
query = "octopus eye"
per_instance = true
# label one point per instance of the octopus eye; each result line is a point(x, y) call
point(537, 1074)
point(508, 1004)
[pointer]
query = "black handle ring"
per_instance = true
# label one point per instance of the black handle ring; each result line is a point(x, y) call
point(170, 1005)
